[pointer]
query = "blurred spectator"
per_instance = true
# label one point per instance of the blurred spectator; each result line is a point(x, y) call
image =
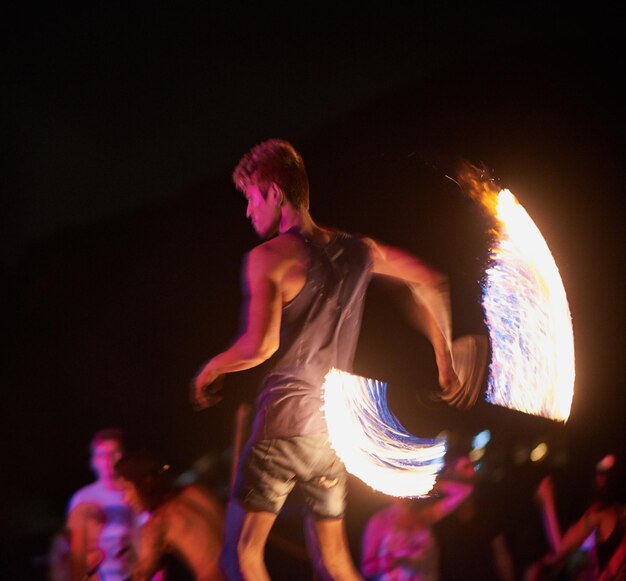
point(100, 525)
point(398, 543)
point(183, 522)
point(471, 539)
point(602, 522)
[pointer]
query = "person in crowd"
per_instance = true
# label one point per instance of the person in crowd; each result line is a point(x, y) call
point(183, 525)
point(100, 525)
point(602, 523)
point(399, 543)
point(472, 540)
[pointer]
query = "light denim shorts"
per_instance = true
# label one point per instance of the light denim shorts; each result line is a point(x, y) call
point(269, 470)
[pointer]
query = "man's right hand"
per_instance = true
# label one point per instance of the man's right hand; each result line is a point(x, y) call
point(205, 389)
point(448, 380)
point(461, 385)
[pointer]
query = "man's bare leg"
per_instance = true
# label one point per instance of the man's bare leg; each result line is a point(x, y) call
point(331, 534)
point(243, 555)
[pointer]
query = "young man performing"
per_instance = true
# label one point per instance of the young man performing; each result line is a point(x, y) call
point(305, 290)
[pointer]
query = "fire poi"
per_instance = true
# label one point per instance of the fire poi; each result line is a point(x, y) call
point(526, 311)
point(531, 368)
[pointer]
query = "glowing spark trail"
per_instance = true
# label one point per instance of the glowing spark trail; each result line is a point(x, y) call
point(526, 309)
point(372, 443)
point(531, 370)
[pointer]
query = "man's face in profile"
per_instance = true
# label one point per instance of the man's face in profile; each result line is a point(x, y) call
point(263, 212)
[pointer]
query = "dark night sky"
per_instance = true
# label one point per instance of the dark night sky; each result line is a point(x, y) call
point(121, 235)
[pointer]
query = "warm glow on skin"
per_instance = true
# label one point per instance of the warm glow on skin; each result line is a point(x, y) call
point(262, 211)
point(131, 495)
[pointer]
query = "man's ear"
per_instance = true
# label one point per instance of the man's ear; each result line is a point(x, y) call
point(276, 195)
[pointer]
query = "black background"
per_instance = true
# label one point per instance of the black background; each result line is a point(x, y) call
point(122, 236)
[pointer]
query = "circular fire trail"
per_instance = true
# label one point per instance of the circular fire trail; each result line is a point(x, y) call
point(531, 368)
point(372, 443)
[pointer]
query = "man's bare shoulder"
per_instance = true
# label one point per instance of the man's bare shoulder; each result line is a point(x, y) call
point(277, 251)
point(200, 491)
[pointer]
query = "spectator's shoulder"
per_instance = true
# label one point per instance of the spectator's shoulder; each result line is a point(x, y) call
point(87, 495)
point(84, 494)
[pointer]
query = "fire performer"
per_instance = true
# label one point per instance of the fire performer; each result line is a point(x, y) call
point(304, 294)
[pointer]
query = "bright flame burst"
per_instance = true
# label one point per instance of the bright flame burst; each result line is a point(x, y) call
point(371, 441)
point(529, 321)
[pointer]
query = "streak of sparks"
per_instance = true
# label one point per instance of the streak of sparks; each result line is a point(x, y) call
point(528, 317)
point(372, 443)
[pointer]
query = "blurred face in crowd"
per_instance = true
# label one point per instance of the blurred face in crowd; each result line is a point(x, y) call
point(131, 494)
point(104, 455)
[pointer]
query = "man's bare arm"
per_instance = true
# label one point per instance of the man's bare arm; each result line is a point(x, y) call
point(76, 525)
point(430, 310)
point(260, 336)
point(577, 533)
point(150, 550)
point(545, 497)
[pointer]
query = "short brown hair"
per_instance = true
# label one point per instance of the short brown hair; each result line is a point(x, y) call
point(274, 161)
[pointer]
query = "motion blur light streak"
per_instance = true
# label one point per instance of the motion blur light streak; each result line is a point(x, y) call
point(372, 443)
point(530, 326)
point(526, 310)
point(532, 366)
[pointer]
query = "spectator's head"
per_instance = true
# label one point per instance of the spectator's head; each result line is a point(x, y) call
point(144, 480)
point(106, 447)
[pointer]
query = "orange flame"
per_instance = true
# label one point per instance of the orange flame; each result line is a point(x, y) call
point(530, 327)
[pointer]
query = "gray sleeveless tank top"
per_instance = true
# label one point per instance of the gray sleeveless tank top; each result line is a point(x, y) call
point(319, 330)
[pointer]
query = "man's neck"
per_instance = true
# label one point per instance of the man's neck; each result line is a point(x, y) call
point(292, 219)
point(302, 222)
